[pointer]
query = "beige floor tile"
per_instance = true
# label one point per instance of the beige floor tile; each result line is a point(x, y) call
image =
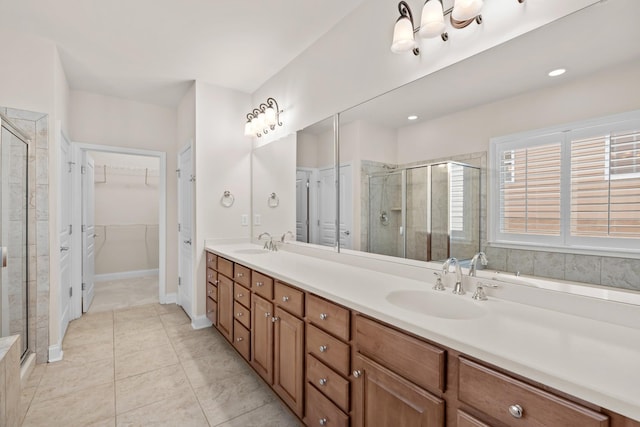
point(197, 347)
point(272, 414)
point(150, 387)
point(138, 340)
point(62, 378)
point(137, 326)
point(36, 375)
point(167, 308)
point(231, 397)
point(89, 336)
point(80, 408)
point(135, 313)
point(145, 360)
point(175, 318)
point(207, 370)
point(109, 422)
point(90, 321)
point(26, 397)
point(185, 330)
point(183, 411)
point(84, 353)
point(116, 294)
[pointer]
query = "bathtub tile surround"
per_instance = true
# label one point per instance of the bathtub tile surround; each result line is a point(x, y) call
point(36, 127)
point(10, 380)
point(144, 365)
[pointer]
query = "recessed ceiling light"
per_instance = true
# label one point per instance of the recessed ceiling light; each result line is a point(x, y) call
point(412, 117)
point(558, 72)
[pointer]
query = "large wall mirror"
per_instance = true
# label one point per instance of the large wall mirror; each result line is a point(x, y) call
point(417, 189)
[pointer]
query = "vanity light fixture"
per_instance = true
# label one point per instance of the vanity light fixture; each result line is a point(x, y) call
point(262, 119)
point(403, 38)
point(464, 12)
point(557, 72)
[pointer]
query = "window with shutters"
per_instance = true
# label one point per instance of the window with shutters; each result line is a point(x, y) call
point(575, 186)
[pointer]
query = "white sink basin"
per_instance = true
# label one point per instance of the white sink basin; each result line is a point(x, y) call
point(251, 251)
point(457, 307)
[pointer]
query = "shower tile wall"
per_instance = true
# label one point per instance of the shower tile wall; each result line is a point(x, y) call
point(36, 127)
point(417, 236)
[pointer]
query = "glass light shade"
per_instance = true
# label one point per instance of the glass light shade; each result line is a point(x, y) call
point(261, 125)
point(432, 24)
point(270, 117)
point(248, 129)
point(403, 40)
point(463, 10)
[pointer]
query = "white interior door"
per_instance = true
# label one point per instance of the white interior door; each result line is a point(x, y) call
point(327, 207)
point(346, 207)
point(302, 205)
point(88, 231)
point(66, 244)
point(185, 227)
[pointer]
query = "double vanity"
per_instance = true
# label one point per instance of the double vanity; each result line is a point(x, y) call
point(346, 345)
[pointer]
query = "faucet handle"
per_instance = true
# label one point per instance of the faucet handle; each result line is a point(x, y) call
point(479, 294)
point(439, 286)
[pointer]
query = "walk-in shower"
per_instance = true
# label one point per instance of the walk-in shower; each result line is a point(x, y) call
point(13, 235)
point(425, 212)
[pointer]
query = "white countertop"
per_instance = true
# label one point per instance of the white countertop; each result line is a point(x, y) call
point(590, 359)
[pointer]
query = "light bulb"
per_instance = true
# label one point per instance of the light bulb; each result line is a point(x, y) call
point(248, 129)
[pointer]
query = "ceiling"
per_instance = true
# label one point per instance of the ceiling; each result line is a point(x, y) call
point(151, 50)
point(598, 37)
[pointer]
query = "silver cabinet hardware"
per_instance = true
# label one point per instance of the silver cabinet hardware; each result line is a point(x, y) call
point(322, 381)
point(357, 373)
point(285, 299)
point(259, 284)
point(239, 296)
point(323, 316)
point(323, 421)
point(323, 348)
point(516, 411)
point(275, 319)
point(239, 314)
point(239, 339)
point(267, 315)
point(215, 282)
point(209, 292)
point(239, 275)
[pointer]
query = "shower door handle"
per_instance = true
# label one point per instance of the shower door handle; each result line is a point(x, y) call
point(4, 256)
point(346, 232)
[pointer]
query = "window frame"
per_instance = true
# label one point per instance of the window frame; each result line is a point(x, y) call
point(565, 133)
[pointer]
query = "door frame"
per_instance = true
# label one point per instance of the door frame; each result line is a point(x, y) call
point(78, 148)
point(187, 146)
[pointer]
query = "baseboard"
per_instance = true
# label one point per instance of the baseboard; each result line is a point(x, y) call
point(171, 298)
point(201, 322)
point(55, 353)
point(125, 275)
point(26, 368)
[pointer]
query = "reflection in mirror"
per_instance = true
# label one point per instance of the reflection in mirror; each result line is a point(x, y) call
point(273, 187)
point(315, 185)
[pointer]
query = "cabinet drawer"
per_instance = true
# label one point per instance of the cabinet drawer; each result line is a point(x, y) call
point(241, 339)
point(242, 314)
point(212, 261)
point(212, 311)
point(212, 291)
point(321, 412)
point(262, 285)
point(465, 420)
point(328, 316)
point(328, 349)
point(328, 382)
point(242, 295)
point(212, 276)
point(242, 275)
point(225, 267)
point(415, 360)
point(495, 394)
point(290, 299)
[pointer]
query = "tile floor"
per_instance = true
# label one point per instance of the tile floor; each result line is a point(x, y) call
point(121, 293)
point(146, 366)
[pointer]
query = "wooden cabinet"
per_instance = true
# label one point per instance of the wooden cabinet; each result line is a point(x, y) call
point(383, 398)
point(262, 337)
point(212, 311)
point(288, 358)
point(329, 316)
point(242, 339)
point(516, 403)
point(262, 285)
point(225, 307)
point(242, 275)
point(465, 420)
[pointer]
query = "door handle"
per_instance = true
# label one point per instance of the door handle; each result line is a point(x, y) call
point(346, 232)
point(64, 248)
point(188, 242)
point(4, 256)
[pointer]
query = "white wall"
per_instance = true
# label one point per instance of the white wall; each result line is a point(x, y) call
point(104, 120)
point(353, 62)
point(222, 162)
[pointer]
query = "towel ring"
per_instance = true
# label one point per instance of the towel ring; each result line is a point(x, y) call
point(227, 199)
point(273, 201)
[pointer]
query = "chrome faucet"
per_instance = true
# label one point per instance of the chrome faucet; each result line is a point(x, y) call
point(457, 289)
point(285, 235)
point(474, 261)
point(268, 245)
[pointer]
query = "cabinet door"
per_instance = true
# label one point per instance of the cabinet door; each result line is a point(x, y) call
point(385, 399)
point(288, 380)
point(262, 337)
point(225, 307)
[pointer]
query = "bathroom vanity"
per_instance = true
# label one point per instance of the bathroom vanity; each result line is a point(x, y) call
point(350, 346)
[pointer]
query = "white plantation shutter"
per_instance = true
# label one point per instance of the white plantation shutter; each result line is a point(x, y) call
point(576, 185)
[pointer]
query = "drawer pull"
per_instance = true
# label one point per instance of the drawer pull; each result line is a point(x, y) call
point(516, 411)
point(239, 296)
point(323, 316)
point(357, 373)
point(209, 276)
point(267, 314)
point(209, 311)
point(239, 314)
point(258, 284)
point(239, 339)
point(239, 275)
point(323, 348)
point(215, 282)
point(274, 319)
point(209, 291)
point(322, 381)
point(285, 299)
point(323, 421)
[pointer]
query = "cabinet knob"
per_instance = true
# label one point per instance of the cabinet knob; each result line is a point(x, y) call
point(215, 282)
point(209, 291)
point(239, 314)
point(239, 339)
point(323, 316)
point(258, 284)
point(285, 299)
point(357, 373)
point(275, 319)
point(516, 411)
point(322, 381)
point(209, 276)
point(267, 314)
point(209, 311)
point(239, 275)
point(239, 296)
point(323, 348)
point(323, 421)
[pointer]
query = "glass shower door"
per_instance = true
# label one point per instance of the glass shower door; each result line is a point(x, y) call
point(385, 232)
point(13, 235)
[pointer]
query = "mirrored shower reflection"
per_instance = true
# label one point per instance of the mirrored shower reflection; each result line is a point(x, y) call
point(427, 212)
point(13, 235)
